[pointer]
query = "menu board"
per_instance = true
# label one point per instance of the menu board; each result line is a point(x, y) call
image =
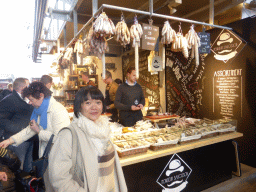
point(183, 83)
point(224, 76)
point(227, 92)
point(148, 82)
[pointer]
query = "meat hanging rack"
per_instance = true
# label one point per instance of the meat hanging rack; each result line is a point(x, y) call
point(150, 13)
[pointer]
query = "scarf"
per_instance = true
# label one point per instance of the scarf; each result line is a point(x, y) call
point(42, 111)
point(98, 131)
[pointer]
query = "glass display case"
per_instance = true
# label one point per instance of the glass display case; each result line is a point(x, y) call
point(144, 136)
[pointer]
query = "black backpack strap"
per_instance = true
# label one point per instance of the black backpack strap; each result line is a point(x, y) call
point(48, 147)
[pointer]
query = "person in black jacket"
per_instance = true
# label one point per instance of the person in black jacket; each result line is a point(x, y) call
point(6, 92)
point(15, 114)
point(130, 100)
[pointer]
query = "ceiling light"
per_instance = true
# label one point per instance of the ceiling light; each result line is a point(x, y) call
point(172, 10)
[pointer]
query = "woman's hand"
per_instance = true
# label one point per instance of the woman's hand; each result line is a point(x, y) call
point(3, 176)
point(34, 126)
point(6, 143)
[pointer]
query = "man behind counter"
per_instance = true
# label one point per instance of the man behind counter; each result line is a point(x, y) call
point(86, 79)
point(110, 95)
point(130, 100)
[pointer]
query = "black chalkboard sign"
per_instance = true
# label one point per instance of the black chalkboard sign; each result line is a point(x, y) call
point(205, 40)
point(183, 83)
point(148, 82)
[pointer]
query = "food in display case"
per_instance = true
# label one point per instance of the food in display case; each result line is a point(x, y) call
point(144, 136)
point(209, 131)
point(190, 135)
point(130, 144)
point(143, 125)
point(165, 140)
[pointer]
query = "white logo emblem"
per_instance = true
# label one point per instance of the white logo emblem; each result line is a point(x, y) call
point(174, 176)
point(136, 102)
point(225, 46)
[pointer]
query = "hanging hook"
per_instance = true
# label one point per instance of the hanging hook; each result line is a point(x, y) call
point(150, 20)
point(180, 27)
point(135, 19)
point(122, 16)
point(204, 28)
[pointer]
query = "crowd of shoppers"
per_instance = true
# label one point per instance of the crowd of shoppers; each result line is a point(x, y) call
point(15, 114)
point(30, 111)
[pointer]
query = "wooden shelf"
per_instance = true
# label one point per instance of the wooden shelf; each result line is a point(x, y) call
point(59, 97)
point(71, 90)
point(81, 66)
point(129, 160)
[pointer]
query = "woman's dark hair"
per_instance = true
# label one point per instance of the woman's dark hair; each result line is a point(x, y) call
point(34, 90)
point(85, 94)
point(118, 81)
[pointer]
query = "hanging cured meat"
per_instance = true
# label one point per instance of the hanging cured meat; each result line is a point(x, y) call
point(193, 43)
point(168, 33)
point(180, 43)
point(122, 33)
point(136, 32)
point(104, 26)
point(97, 43)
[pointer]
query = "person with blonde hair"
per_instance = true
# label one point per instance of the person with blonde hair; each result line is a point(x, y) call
point(7, 91)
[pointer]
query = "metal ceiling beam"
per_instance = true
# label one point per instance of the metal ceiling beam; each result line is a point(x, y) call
point(211, 12)
point(94, 6)
point(208, 6)
point(40, 8)
point(75, 22)
point(59, 14)
point(105, 6)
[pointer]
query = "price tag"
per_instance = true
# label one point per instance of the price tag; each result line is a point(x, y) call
point(150, 37)
point(205, 40)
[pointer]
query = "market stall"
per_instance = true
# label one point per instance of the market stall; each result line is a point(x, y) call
point(185, 154)
point(202, 150)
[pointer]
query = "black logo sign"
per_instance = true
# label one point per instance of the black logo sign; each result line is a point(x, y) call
point(175, 175)
point(226, 46)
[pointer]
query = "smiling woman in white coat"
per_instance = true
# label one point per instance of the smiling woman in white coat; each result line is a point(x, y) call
point(92, 166)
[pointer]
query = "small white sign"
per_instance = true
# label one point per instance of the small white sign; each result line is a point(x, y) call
point(156, 64)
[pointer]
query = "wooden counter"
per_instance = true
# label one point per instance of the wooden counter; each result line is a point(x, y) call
point(129, 160)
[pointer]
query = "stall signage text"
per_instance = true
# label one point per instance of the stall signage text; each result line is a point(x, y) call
point(150, 37)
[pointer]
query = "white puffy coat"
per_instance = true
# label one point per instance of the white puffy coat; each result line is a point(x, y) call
point(57, 118)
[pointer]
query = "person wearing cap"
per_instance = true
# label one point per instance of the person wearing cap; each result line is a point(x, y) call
point(130, 100)
point(86, 79)
point(110, 95)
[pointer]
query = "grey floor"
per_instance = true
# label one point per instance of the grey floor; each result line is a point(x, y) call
point(245, 183)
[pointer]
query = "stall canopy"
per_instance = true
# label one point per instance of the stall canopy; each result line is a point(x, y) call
point(57, 22)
